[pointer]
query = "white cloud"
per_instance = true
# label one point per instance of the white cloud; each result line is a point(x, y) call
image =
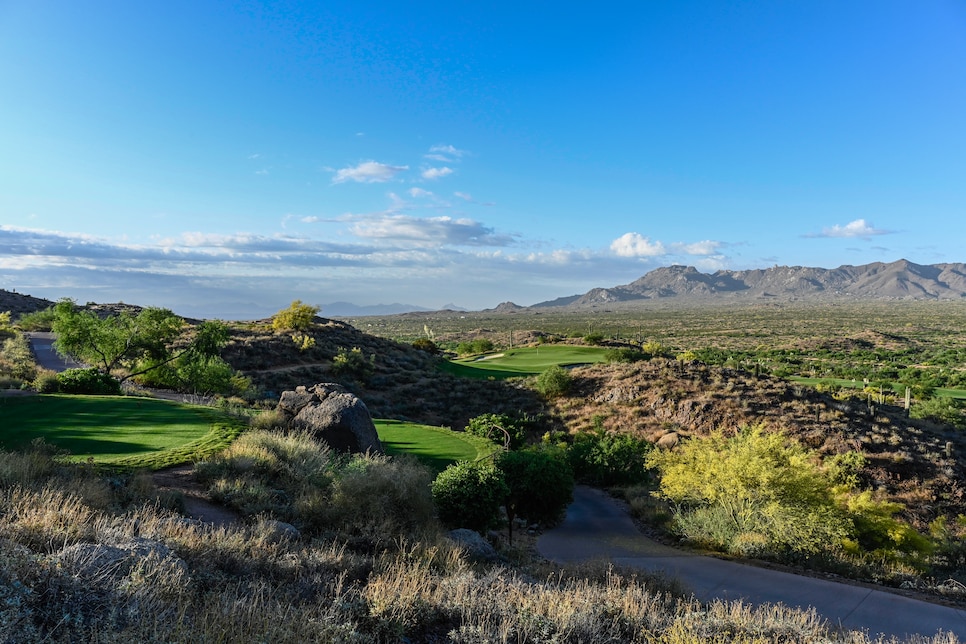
point(436, 173)
point(465, 196)
point(706, 247)
point(417, 193)
point(445, 153)
point(858, 228)
point(429, 230)
point(369, 172)
point(635, 245)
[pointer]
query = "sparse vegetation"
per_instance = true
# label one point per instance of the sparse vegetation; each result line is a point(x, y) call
point(371, 564)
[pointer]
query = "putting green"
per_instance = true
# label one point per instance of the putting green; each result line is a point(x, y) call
point(437, 447)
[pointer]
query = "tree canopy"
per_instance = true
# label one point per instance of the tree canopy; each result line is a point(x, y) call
point(297, 317)
point(130, 344)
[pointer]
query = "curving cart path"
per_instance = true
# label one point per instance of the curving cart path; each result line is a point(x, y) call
point(598, 527)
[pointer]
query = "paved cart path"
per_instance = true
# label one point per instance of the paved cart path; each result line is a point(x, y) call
point(597, 527)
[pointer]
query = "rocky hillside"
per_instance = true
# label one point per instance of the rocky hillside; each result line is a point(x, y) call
point(18, 303)
point(400, 382)
point(897, 280)
point(914, 462)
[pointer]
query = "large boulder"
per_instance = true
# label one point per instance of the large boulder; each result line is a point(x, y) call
point(333, 414)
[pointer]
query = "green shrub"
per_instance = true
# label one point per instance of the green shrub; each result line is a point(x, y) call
point(37, 321)
point(16, 359)
point(594, 338)
point(46, 382)
point(297, 317)
point(473, 347)
point(427, 345)
point(540, 483)
point(492, 426)
point(940, 410)
point(469, 495)
point(554, 382)
point(605, 459)
point(353, 363)
point(88, 381)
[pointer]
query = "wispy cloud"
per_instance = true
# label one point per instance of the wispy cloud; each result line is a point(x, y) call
point(428, 230)
point(436, 173)
point(858, 228)
point(445, 153)
point(369, 172)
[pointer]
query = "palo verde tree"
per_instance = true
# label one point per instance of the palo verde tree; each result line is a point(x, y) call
point(752, 493)
point(128, 344)
point(297, 317)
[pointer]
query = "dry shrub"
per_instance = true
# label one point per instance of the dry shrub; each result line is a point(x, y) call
point(382, 498)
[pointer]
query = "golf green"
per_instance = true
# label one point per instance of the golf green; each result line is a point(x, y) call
point(437, 447)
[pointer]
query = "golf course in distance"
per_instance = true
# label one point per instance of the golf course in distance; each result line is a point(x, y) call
point(524, 361)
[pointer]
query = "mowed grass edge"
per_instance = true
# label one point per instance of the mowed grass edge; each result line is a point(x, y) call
point(119, 431)
point(436, 447)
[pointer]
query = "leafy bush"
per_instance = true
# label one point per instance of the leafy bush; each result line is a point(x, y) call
point(601, 458)
point(297, 317)
point(624, 354)
point(88, 381)
point(16, 359)
point(594, 338)
point(554, 382)
point(940, 410)
point(353, 363)
point(37, 321)
point(752, 483)
point(46, 382)
point(540, 483)
point(473, 347)
point(427, 345)
point(492, 426)
point(469, 495)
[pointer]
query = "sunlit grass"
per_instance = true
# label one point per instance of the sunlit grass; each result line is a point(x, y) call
point(436, 447)
point(116, 430)
point(524, 361)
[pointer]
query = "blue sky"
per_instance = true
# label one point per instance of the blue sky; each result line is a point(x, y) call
point(222, 159)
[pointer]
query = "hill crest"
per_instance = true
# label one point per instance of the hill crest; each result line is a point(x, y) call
point(901, 279)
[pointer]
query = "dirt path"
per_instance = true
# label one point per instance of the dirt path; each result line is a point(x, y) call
point(598, 527)
point(197, 505)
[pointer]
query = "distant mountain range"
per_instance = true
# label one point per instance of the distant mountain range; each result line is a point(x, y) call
point(893, 281)
point(900, 280)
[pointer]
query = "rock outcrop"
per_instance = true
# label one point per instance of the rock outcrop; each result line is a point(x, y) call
point(332, 414)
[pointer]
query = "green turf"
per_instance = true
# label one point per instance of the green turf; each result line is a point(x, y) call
point(116, 430)
point(437, 447)
point(525, 361)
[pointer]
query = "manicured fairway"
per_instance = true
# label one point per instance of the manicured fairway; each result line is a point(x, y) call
point(525, 361)
point(115, 429)
point(437, 447)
